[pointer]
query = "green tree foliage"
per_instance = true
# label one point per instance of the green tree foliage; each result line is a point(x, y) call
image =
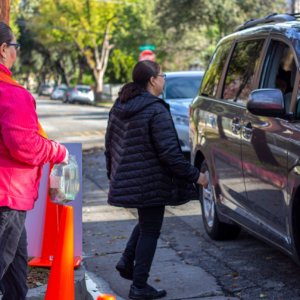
point(89, 41)
point(208, 21)
point(92, 29)
point(183, 15)
point(35, 59)
point(81, 28)
point(137, 25)
point(72, 41)
point(14, 12)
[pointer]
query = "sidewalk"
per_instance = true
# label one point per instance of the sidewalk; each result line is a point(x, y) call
point(105, 232)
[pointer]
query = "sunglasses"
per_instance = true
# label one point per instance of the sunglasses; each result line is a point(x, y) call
point(16, 45)
point(162, 75)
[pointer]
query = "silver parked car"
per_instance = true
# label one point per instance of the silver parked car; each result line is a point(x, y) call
point(180, 89)
point(45, 89)
point(59, 92)
point(81, 94)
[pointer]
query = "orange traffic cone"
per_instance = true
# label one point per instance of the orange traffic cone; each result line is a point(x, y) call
point(61, 279)
point(106, 297)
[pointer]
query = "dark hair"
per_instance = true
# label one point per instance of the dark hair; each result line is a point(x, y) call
point(6, 35)
point(141, 74)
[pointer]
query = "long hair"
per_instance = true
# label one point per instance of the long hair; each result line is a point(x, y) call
point(141, 74)
point(6, 35)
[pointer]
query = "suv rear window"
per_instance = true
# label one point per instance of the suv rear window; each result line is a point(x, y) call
point(214, 71)
point(240, 74)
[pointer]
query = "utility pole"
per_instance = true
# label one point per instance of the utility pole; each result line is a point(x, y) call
point(293, 2)
point(4, 11)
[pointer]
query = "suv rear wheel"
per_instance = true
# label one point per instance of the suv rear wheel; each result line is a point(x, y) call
point(216, 229)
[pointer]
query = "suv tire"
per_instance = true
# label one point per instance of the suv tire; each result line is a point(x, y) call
point(216, 229)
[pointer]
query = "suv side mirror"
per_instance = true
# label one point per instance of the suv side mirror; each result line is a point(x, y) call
point(266, 102)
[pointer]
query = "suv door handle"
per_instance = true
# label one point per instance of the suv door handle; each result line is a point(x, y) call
point(235, 125)
point(247, 131)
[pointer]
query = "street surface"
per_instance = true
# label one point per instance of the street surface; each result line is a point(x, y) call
point(73, 122)
point(188, 264)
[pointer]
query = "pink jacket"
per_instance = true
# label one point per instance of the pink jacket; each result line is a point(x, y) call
point(23, 151)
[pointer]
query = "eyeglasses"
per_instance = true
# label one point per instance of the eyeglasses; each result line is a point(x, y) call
point(162, 75)
point(16, 45)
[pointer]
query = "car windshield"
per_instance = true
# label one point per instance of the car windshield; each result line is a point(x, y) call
point(182, 87)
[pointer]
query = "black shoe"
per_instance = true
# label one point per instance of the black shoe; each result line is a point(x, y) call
point(147, 292)
point(125, 268)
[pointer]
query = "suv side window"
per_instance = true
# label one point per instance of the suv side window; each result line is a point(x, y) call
point(280, 70)
point(240, 75)
point(214, 71)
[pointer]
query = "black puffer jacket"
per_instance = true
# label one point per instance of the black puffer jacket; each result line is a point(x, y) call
point(144, 161)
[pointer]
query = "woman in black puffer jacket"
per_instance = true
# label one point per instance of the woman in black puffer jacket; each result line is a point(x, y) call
point(146, 169)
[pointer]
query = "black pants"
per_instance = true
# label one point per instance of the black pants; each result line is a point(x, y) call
point(13, 254)
point(142, 243)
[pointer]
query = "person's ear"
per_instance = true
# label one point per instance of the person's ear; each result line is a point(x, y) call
point(3, 48)
point(152, 80)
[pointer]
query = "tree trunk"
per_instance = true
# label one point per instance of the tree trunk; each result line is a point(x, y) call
point(4, 10)
point(99, 84)
point(97, 63)
point(101, 60)
point(62, 72)
point(81, 61)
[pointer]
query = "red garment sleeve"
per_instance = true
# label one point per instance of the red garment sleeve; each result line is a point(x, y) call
point(19, 128)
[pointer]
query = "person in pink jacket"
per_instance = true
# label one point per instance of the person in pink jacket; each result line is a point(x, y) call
point(23, 152)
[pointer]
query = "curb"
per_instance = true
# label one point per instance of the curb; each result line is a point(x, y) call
point(97, 286)
point(81, 292)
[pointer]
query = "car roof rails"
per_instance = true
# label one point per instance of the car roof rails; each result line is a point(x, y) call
point(272, 18)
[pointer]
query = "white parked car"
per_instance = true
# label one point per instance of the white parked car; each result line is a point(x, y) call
point(81, 94)
point(179, 91)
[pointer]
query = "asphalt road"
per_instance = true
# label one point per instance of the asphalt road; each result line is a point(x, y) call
point(64, 122)
point(245, 268)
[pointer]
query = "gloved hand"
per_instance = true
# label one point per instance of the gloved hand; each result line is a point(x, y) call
point(203, 180)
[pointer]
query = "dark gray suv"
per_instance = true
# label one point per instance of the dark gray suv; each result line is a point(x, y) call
point(245, 133)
